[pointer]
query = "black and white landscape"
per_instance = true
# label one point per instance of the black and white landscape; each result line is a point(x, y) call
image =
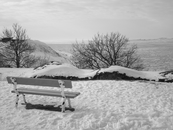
point(115, 96)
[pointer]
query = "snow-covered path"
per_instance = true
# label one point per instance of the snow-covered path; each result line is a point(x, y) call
point(110, 105)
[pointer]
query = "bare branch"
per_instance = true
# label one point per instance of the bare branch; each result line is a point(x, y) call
point(16, 48)
point(106, 50)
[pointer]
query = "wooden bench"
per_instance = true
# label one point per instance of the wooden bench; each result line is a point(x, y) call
point(42, 82)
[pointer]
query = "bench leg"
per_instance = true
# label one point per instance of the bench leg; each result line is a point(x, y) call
point(24, 99)
point(69, 102)
point(63, 105)
point(17, 99)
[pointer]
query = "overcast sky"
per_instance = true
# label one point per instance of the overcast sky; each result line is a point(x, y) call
point(71, 20)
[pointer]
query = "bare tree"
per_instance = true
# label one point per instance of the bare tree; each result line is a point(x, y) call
point(16, 51)
point(2, 46)
point(106, 50)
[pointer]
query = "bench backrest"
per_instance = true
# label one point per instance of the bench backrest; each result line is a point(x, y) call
point(39, 82)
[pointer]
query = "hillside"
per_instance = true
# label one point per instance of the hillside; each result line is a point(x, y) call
point(45, 51)
point(42, 47)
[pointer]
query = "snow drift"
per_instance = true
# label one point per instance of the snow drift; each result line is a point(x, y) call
point(68, 71)
point(64, 70)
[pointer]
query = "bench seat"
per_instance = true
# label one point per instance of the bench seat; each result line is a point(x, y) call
point(46, 92)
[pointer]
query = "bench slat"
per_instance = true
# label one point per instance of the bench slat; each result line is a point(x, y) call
point(39, 82)
point(46, 92)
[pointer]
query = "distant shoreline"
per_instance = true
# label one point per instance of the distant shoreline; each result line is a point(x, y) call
point(130, 40)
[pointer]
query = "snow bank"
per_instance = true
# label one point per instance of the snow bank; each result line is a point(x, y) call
point(64, 70)
point(113, 72)
point(133, 73)
point(68, 71)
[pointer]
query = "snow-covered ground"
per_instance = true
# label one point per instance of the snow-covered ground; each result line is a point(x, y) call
point(102, 105)
point(4, 72)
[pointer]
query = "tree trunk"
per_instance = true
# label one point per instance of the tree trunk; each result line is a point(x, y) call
point(17, 62)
